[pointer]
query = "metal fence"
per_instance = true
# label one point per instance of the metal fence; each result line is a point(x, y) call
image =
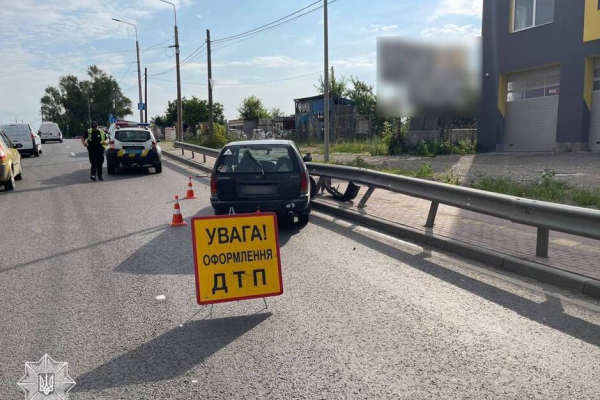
point(544, 216)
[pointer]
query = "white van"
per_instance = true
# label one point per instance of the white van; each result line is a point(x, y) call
point(25, 135)
point(50, 131)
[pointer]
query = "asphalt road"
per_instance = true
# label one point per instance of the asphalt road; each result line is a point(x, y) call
point(363, 315)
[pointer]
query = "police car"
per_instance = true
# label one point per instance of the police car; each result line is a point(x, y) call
point(132, 144)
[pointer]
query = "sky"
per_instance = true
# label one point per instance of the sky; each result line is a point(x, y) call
point(42, 40)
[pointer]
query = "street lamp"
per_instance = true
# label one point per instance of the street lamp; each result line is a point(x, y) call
point(137, 47)
point(179, 110)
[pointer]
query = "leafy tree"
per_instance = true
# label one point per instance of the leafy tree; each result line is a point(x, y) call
point(67, 104)
point(337, 87)
point(252, 108)
point(276, 112)
point(194, 111)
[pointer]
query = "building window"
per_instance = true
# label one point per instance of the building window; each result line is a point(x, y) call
point(533, 88)
point(597, 79)
point(530, 13)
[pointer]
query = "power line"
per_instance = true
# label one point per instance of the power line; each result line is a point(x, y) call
point(189, 58)
point(104, 55)
point(263, 26)
point(241, 83)
point(256, 33)
point(126, 72)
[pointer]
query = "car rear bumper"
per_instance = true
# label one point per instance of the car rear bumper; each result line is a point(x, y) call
point(151, 157)
point(300, 205)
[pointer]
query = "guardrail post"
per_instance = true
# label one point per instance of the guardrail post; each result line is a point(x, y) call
point(192, 154)
point(204, 158)
point(365, 198)
point(432, 214)
point(182, 152)
point(543, 241)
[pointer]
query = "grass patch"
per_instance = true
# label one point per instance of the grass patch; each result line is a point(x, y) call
point(424, 172)
point(374, 146)
point(548, 189)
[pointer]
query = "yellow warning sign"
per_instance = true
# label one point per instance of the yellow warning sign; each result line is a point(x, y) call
point(236, 257)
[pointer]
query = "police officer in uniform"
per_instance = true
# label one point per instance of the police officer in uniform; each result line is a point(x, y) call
point(95, 141)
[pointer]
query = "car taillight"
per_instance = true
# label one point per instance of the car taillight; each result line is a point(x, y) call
point(304, 183)
point(2, 153)
point(111, 144)
point(213, 185)
point(154, 145)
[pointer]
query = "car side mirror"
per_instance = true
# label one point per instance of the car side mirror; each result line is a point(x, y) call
point(307, 157)
point(17, 146)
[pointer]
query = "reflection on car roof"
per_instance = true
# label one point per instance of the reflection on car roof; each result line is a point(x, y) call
point(259, 142)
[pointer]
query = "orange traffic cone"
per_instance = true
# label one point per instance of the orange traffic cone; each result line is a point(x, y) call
point(177, 218)
point(190, 191)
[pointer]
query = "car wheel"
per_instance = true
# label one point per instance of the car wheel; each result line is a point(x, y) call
point(20, 176)
point(111, 168)
point(60, 140)
point(303, 218)
point(158, 168)
point(43, 141)
point(10, 184)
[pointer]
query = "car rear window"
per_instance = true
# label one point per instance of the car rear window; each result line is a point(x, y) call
point(16, 130)
point(132, 136)
point(246, 159)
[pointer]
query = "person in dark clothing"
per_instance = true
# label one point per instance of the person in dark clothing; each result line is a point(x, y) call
point(95, 141)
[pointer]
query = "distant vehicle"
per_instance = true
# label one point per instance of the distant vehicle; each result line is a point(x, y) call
point(132, 144)
point(11, 169)
point(265, 175)
point(26, 136)
point(50, 131)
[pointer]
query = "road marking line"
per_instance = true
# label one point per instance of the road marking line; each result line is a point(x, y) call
point(68, 147)
point(161, 297)
point(72, 154)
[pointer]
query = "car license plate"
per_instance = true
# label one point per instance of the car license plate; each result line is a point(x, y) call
point(249, 190)
point(133, 151)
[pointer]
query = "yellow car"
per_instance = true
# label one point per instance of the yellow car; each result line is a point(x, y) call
point(10, 163)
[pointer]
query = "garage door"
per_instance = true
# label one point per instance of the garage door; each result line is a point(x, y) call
point(595, 111)
point(532, 110)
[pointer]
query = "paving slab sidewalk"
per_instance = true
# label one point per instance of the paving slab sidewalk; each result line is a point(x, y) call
point(567, 252)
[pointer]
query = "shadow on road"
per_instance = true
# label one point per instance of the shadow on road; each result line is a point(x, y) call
point(170, 253)
point(549, 313)
point(169, 355)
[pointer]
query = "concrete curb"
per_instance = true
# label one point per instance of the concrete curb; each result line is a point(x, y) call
point(187, 162)
point(540, 272)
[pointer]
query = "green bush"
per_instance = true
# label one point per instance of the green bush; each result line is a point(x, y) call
point(218, 140)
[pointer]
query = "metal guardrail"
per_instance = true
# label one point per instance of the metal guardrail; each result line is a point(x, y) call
point(204, 151)
point(543, 215)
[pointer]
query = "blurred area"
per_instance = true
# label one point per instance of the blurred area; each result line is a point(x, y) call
point(427, 78)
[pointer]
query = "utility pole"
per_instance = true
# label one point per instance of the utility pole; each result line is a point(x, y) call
point(179, 106)
point(146, 94)
point(137, 49)
point(326, 83)
point(210, 86)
